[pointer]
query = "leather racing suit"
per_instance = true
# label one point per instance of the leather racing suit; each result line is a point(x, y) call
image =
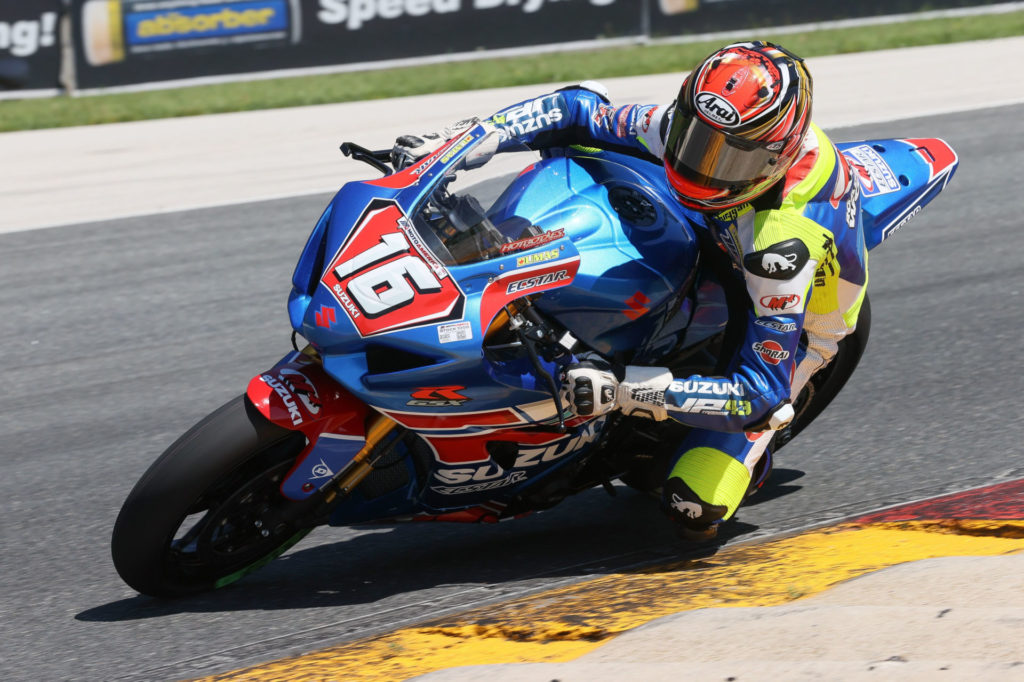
point(799, 250)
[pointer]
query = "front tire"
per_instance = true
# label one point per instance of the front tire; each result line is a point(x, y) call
point(209, 510)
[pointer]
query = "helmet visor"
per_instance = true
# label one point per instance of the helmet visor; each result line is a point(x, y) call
point(711, 158)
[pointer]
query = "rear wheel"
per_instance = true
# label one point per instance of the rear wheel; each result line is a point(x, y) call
point(209, 510)
point(825, 385)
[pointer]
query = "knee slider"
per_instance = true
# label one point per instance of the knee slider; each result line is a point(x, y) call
point(710, 478)
point(687, 509)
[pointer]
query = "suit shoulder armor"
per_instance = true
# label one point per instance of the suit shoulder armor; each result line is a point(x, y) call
point(782, 260)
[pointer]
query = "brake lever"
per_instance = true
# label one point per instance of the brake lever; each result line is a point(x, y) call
point(376, 158)
point(531, 350)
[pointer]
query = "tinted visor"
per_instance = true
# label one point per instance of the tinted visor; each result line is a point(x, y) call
point(711, 158)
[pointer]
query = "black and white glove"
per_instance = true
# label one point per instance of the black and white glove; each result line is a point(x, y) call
point(641, 392)
point(409, 149)
point(588, 387)
point(591, 388)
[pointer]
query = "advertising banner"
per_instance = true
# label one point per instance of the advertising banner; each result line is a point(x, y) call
point(29, 45)
point(684, 17)
point(122, 42)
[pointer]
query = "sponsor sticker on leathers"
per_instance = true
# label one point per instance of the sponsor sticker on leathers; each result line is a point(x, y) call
point(780, 302)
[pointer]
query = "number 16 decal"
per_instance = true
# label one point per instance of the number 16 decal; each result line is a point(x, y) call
point(386, 280)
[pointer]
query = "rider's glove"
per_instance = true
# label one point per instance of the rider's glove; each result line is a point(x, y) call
point(588, 387)
point(409, 149)
point(591, 388)
point(641, 392)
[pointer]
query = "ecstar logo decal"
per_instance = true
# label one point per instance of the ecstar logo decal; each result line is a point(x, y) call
point(774, 325)
point(537, 281)
point(532, 280)
point(386, 279)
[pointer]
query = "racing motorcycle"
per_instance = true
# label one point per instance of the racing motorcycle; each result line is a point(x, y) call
point(426, 386)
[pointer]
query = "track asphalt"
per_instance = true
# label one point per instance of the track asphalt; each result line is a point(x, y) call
point(933, 589)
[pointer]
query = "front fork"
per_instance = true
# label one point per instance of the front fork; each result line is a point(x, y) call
point(341, 431)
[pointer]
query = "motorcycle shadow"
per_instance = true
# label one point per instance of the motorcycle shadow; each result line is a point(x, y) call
point(775, 487)
point(420, 564)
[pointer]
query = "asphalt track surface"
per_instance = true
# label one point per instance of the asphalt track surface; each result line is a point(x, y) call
point(122, 334)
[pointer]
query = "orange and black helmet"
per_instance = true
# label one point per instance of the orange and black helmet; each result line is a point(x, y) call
point(738, 125)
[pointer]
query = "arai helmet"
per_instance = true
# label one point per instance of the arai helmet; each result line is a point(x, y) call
point(738, 125)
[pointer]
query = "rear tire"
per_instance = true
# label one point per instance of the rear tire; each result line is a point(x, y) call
point(209, 510)
point(825, 385)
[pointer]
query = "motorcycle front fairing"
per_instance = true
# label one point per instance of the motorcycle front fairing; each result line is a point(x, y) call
point(397, 329)
point(398, 314)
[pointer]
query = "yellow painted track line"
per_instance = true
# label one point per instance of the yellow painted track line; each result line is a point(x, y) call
point(562, 624)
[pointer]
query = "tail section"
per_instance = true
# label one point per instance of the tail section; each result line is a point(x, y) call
point(898, 178)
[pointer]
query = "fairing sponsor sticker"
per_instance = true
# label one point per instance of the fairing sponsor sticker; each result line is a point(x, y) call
point(457, 331)
point(876, 177)
point(529, 458)
point(530, 280)
point(386, 279)
point(438, 396)
point(533, 242)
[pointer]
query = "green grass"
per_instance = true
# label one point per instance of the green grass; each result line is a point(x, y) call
point(484, 73)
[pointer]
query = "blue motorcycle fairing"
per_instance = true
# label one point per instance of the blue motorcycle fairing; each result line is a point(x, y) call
point(447, 487)
point(898, 177)
point(619, 271)
point(638, 254)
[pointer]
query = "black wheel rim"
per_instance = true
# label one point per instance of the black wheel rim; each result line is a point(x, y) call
point(238, 521)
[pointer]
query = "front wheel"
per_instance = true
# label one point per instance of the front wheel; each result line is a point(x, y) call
point(209, 510)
